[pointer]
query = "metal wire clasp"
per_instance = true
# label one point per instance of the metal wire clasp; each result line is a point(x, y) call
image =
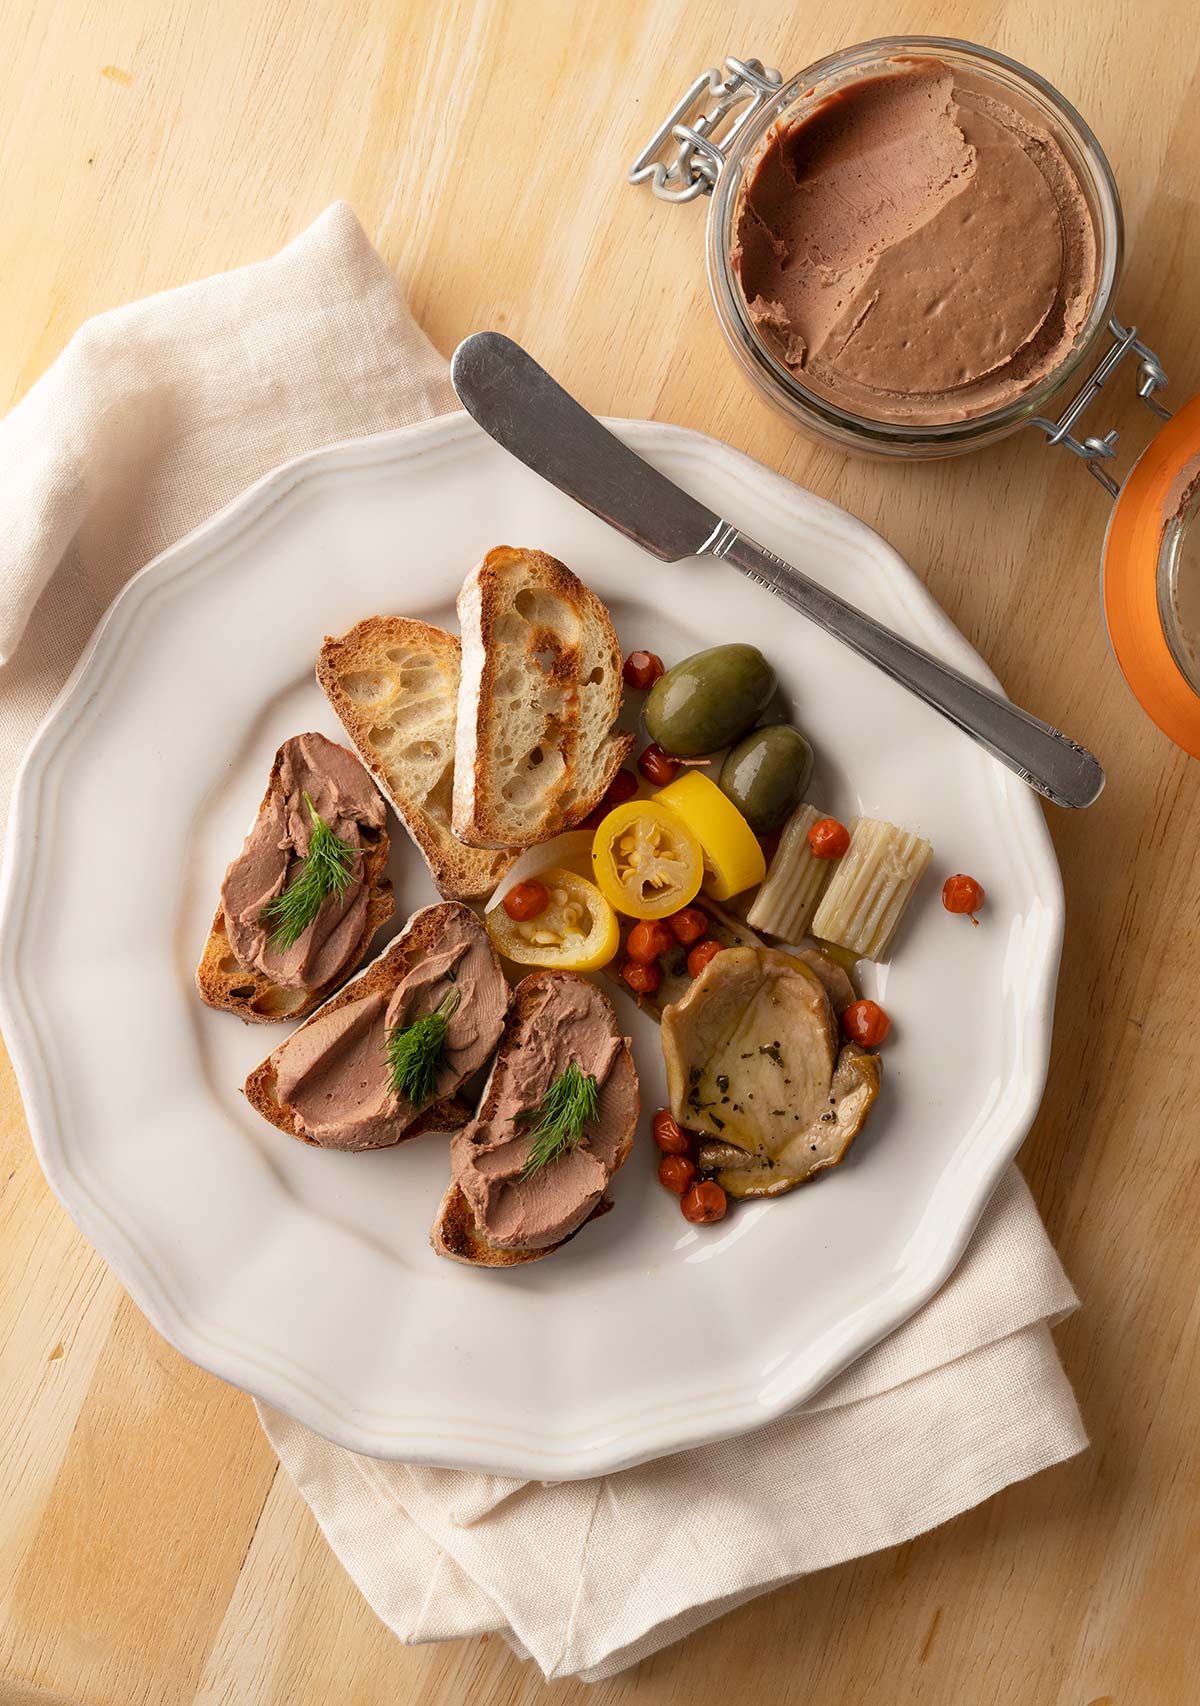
point(691, 160)
point(1150, 378)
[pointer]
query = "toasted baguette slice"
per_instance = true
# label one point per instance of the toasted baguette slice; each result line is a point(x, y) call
point(224, 983)
point(420, 934)
point(535, 748)
point(394, 684)
point(455, 1233)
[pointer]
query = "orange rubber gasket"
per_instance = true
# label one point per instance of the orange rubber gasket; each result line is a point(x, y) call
point(1130, 582)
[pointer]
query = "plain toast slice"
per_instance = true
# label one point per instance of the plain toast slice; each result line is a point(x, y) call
point(535, 748)
point(393, 682)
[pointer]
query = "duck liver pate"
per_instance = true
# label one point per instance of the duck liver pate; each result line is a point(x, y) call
point(916, 248)
point(569, 1021)
point(347, 799)
point(331, 1076)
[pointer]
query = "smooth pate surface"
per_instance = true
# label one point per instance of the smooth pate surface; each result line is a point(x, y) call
point(916, 249)
point(345, 796)
point(574, 1022)
point(332, 1074)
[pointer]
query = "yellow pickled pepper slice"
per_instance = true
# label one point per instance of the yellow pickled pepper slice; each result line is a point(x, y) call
point(577, 930)
point(646, 860)
point(733, 859)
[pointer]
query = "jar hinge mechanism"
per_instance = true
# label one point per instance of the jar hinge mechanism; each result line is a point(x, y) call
point(1150, 378)
point(683, 158)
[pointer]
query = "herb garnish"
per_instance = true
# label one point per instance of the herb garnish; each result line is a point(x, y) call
point(416, 1051)
point(771, 1050)
point(571, 1101)
point(327, 868)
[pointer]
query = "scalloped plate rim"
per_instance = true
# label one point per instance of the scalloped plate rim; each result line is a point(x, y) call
point(494, 1449)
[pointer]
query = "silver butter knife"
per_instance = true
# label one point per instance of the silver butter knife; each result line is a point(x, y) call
point(530, 414)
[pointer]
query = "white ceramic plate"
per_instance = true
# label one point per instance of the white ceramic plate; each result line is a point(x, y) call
point(306, 1276)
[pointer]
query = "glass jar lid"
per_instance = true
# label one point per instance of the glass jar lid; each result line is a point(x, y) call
point(1152, 578)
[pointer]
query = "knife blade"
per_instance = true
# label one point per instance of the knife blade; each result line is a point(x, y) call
point(526, 411)
point(517, 402)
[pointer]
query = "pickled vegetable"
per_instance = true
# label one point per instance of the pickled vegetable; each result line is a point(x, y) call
point(705, 702)
point(865, 1023)
point(646, 859)
point(828, 839)
point(755, 1065)
point(787, 900)
point(576, 930)
point(733, 860)
point(871, 887)
point(963, 894)
point(766, 774)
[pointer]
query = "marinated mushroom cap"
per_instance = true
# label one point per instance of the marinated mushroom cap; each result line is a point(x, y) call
point(820, 1145)
point(753, 1064)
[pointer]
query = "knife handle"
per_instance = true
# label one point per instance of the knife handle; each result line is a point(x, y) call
point(1056, 766)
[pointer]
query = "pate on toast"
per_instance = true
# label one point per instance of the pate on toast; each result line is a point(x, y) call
point(328, 1083)
point(456, 1235)
point(227, 977)
point(497, 1212)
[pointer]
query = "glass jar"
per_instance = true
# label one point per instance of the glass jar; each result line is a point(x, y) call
point(715, 151)
point(712, 141)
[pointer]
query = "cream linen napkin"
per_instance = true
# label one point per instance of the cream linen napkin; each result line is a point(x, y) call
point(155, 416)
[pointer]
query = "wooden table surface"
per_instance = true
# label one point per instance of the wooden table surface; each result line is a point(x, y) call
point(151, 1550)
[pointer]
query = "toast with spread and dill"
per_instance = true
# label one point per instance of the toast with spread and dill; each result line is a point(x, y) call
point(384, 1059)
point(555, 1122)
point(289, 927)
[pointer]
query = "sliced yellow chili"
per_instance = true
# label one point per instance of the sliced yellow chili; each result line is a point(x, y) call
point(733, 859)
point(646, 859)
point(577, 930)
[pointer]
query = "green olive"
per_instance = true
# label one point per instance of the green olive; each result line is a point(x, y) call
point(766, 775)
point(708, 700)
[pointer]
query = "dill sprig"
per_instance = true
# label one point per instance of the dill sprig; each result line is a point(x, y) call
point(571, 1101)
point(327, 868)
point(415, 1051)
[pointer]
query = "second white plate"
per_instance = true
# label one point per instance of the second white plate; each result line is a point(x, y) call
point(305, 1276)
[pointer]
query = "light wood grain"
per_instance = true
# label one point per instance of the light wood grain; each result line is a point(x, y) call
point(151, 1552)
